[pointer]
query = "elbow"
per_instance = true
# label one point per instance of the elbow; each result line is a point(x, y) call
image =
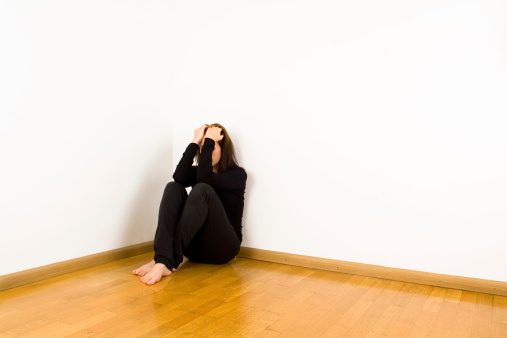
point(178, 179)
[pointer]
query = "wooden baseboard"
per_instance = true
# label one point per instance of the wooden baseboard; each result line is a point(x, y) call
point(411, 276)
point(447, 281)
point(52, 270)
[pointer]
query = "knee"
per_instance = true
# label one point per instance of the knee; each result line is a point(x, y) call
point(174, 187)
point(201, 188)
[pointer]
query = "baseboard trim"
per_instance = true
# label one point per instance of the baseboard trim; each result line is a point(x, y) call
point(447, 281)
point(52, 270)
point(411, 276)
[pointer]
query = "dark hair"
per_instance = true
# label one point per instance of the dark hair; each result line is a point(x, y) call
point(228, 156)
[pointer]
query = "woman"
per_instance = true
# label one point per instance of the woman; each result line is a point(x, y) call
point(204, 225)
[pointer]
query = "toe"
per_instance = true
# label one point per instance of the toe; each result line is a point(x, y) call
point(152, 281)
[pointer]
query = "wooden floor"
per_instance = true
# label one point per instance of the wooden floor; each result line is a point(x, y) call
point(244, 298)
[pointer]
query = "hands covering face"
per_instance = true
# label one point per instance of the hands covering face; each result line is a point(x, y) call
point(214, 133)
point(205, 131)
point(199, 134)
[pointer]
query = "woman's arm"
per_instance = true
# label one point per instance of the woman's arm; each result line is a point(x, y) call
point(185, 173)
point(232, 179)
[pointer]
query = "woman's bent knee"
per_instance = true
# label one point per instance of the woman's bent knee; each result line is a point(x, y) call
point(201, 188)
point(174, 186)
point(202, 185)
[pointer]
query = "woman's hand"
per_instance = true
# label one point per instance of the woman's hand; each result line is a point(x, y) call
point(199, 134)
point(214, 133)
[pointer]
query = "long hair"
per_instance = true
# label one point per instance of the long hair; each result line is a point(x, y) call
point(228, 157)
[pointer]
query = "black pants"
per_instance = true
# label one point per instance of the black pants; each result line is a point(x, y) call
point(194, 225)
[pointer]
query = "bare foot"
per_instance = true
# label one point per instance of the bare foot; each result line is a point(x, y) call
point(143, 270)
point(156, 273)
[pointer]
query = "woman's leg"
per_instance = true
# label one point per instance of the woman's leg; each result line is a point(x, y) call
point(204, 233)
point(170, 210)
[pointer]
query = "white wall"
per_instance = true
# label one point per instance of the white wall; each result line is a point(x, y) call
point(372, 132)
point(85, 128)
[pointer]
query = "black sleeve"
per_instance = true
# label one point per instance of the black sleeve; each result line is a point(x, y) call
point(232, 179)
point(185, 173)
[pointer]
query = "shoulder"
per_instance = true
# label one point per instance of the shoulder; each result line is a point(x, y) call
point(240, 170)
point(237, 172)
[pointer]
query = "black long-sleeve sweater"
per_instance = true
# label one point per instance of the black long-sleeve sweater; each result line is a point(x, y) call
point(229, 186)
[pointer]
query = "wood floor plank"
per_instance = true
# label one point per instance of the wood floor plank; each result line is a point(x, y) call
point(483, 315)
point(498, 330)
point(400, 329)
point(363, 326)
point(46, 330)
point(160, 316)
point(267, 334)
point(30, 318)
point(462, 325)
point(388, 318)
point(65, 329)
point(293, 315)
point(418, 290)
point(158, 331)
point(255, 321)
point(453, 295)
point(435, 299)
point(206, 326)
point(186, 318)
point(424, 323)
point(352, 315)
point(124, 313)
point(79, 312)
point(253, 329)
point(500, 309)
point(445, 318)
point(326, 314)
point(233, 309)
point(126, 328)
point(336, 331)
point(26, 324)
point(384, 299)
point(412, 309)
